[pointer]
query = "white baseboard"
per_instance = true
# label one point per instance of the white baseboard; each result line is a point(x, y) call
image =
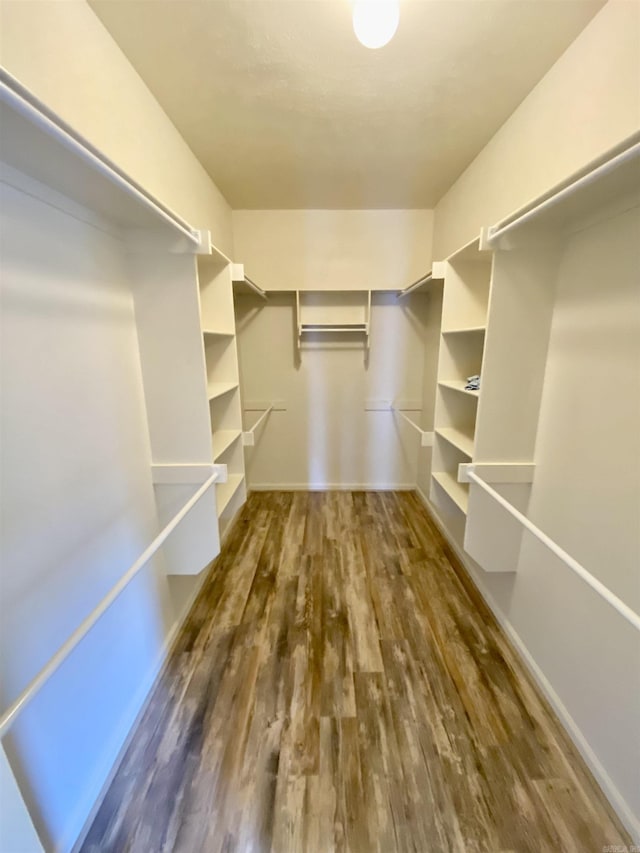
point(610, 790)
point(87, 811)
point(331, 487)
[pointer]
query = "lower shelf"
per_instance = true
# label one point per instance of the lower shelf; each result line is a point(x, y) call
point(457, 438)
point(225, 491)
point(222, 441)
point(458, 492)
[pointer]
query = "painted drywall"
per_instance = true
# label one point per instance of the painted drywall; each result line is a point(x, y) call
point(325, 436)
point(586, 496)
point(586, 104)
point(75, 463)
point(17, 832)
point(63, 53)
point(333, 249)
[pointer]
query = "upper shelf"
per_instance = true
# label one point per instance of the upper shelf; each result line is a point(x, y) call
point(36, 142)
point(608, 184)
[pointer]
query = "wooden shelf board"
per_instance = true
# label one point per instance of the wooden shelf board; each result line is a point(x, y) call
point(458, 439)
point(217, 333)
point(458, 385)
point(226, 491)
point(470, 330)
point(222, 441)
point(217, 389)
point(456, 491)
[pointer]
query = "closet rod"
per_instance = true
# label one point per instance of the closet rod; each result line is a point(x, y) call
point(33, 688)
point(407, 419)
point(256, 288)
point(260, 419)
point(426, 437)
point(604, 169)
point(604, 592)
point(416, 284)
point(25, 103)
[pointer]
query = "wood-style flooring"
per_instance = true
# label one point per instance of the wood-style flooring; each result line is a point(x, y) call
point(340, 686)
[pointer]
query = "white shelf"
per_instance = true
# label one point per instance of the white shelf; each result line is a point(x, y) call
point(470, 330)
point(456, 491)
point(226, 491)
point(612, 180)
point(217, 389)
point(458, 385)
point(36, 142)
point(460, 440)
point(215, 333)
point(222, 441)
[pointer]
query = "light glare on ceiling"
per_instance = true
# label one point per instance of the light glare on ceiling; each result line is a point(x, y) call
point(375, 21)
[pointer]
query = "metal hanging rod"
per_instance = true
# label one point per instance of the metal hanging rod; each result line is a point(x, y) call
point(426, 437)
point(260, 419)
point(249, 436)
point(579, 183)
point(36, 684)
point(256, 288)
point(604, 592)
point(25, 103)
point(415, 285)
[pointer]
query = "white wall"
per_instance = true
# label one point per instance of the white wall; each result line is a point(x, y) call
point(326, 437)
point(65, 745)
point(63, 53)
point(586, 489)
point(587, 103)
point(586, 496)
point(78, 507)
point(333, 249)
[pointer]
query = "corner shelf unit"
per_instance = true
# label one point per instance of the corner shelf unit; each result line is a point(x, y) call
point(467, 278)
point(216, 279)
point(333, 314)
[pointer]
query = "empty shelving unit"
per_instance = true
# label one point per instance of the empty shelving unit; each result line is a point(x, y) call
point(467, 278)
point(215, 274)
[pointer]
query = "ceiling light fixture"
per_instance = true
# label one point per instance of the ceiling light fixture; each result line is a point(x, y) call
point(375, 21)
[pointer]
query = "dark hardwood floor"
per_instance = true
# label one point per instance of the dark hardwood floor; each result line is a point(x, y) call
point(339, 686)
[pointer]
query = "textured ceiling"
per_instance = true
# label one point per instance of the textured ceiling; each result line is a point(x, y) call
point(286, 109)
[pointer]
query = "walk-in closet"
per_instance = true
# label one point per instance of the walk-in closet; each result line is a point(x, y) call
point(319, 426)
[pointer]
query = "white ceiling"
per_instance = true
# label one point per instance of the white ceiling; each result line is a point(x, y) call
point(286, 109)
